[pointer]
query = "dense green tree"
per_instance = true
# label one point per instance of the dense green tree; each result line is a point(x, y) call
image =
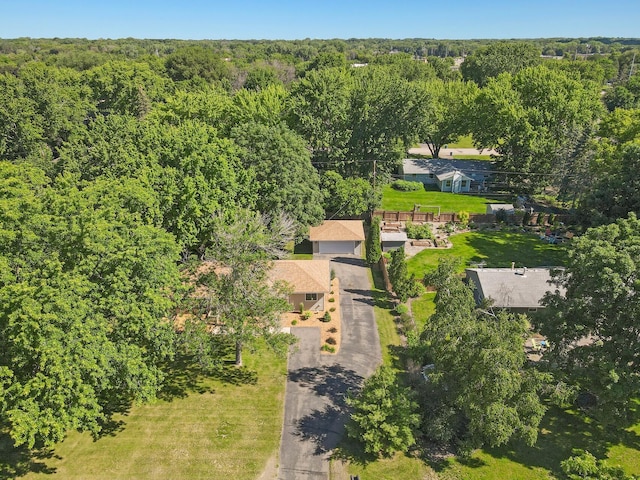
point(501, 57)
point(87, 293)
point(319, 109)
point(537, 120)
point(384, 415)
point(584, 466)
point(265, 106)
point(592, 325)
point(283, 177)
point(404, 285)
point(197, 62)
point(125, 88)
point(445, 109)
point(348, 196)
point(239, 301)
point(480, 391)
point(260, 78)
point(373, 245)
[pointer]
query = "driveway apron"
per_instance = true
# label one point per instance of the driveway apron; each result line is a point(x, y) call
point(315, 411)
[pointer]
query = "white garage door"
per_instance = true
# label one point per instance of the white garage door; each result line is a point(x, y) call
point(335, 247)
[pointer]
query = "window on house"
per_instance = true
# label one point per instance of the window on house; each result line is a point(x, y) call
point(464, 183)
point(448, 183)
point(311, 297)
point(431, 175)
point(532, 309)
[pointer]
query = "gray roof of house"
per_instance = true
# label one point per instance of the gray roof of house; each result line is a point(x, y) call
point(393, 236)
point(438, 166)
point(515, 288)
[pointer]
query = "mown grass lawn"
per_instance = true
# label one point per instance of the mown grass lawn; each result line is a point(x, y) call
point(448, 202)
point(495, 248)
point(202, 428)
point(560, 432)
point(464, 141)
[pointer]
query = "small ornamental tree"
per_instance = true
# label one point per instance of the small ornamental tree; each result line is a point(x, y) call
point(404, 285)
point(384, 415)
point(374, 249)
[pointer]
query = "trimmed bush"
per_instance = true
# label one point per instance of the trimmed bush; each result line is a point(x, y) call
point(328, 348)
point(332, 330)
point(401, 308)
point(326, 317)
point(407, 186)
point(331, 341)
point(294, 322)
point(332, 309)
point(331, 299)
point(419, 232)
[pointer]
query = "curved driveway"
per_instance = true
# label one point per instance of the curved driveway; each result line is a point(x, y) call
point(315, 411)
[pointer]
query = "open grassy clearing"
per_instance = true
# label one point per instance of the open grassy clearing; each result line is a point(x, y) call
point(448, 202)
point(464, 141)
point(495, 248)
point(203, 427)
point(422, 308)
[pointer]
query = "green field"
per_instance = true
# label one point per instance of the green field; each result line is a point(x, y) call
point(448, 202)
point(495, 248)
point(465, 141)
point(202, 428)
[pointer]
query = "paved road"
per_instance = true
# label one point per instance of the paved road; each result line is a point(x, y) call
point(422, 149)
point(315, 411)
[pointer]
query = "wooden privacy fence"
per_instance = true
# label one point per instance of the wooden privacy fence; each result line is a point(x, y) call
point(424, 217)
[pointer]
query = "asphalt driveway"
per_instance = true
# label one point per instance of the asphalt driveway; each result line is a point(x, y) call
point(315, 410)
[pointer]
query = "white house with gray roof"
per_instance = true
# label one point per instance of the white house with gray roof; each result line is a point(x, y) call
point(517, 289)
point(449, 175)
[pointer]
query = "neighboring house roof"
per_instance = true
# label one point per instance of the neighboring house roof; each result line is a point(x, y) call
point(393, 237)
point(454, 174)
point(495, 207)
point(305, 276)
point(513, 288)
point(438, 166)
point(337, 230)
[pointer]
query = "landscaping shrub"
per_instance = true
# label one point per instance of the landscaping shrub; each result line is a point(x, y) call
point(333, 274)
point(332, 309)
point(301, 307)
point(463, 218)
point(326, 317)
point(401, 308)
point(419, 232)
point(294, 322)
point(331, 341)
point(332, 330)
point(407, 186)
point(328, 348)
point(331, 299)
point(306, 315)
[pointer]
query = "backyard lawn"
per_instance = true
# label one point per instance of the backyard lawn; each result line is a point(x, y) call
point(495, 248)
point(448, 202)
point(201, 428)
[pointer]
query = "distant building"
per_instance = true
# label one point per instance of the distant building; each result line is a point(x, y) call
point(449, 175)
point(392, 240)
point(493, 208)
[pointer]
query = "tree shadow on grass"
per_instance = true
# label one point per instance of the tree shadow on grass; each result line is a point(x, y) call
point(18, 461)
point(561, 431)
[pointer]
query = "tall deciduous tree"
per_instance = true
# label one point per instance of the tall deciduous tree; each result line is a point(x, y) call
point(87, 293)
point(445, 111)
point(285, 180)
point(481, 391)
point(593, 326)
point(385, 415)
point(502, 57)
point(537, 121)
point(239, 301)
point(348, 196)
point(404, 285)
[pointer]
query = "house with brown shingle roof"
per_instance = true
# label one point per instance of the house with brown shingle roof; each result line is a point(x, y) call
point(310, 281)
point(338, 236)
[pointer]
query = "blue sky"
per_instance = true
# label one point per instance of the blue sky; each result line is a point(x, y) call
point(288, 19)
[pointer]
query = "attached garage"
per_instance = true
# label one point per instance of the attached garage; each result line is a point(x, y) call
point(338, 237)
